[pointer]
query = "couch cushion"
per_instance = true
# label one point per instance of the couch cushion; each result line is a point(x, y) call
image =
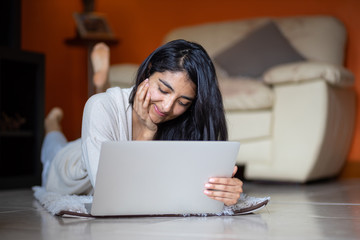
point(122, 75)
point(317, 38)
point(245, 94)
point(261, 49)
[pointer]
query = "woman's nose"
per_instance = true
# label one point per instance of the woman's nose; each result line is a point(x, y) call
point(168, 104)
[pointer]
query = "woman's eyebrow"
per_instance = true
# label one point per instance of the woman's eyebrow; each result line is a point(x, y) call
point(169, 86)
point(166, 84)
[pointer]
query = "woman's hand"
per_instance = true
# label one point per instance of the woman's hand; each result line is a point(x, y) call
point(226, 190)
point(145, 129)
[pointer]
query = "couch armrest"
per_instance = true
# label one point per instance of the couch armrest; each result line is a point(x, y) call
point(312, 130)
point(304, 71)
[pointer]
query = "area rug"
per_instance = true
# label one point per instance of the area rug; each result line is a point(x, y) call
point(75, 205)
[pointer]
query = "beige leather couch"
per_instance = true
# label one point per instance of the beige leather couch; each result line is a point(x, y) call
point(295, 122)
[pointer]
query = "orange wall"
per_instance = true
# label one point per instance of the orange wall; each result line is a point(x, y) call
point(141, 25)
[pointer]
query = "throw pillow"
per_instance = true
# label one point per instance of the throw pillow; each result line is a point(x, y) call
point(258, 51)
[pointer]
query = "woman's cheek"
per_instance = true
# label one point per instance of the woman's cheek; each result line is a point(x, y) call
point(154, 96)
point(179, 110)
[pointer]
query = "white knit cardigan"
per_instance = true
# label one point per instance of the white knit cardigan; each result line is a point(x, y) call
point(107, 117)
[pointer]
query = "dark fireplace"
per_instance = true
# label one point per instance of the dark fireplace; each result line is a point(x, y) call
point(21, 105)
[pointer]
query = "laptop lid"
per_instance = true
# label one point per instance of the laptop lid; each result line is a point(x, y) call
point(160, 177)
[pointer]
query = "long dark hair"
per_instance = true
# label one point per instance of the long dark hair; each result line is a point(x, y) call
point(205, 118)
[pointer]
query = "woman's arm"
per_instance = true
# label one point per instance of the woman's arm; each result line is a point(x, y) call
point(104, 119)
point(143, 127)
point(226, 190)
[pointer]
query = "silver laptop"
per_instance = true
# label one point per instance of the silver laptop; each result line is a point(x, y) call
point(160, 177)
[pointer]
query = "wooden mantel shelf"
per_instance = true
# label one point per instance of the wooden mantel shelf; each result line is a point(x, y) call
point(77, 41)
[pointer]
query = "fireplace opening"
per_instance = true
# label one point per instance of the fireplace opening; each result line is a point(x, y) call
point(21, 117)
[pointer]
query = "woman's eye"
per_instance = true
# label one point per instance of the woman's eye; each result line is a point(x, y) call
point(184, 104)
point(162, 91)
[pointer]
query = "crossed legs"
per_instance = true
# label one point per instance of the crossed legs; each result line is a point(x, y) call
point(100, 58)
point(54, 139)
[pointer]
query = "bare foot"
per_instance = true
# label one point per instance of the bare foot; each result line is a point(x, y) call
point(100, 58)
point(53, 119)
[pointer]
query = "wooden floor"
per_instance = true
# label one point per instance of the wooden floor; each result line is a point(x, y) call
point(319, 210)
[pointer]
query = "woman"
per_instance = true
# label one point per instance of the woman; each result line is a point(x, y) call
point(175, 97)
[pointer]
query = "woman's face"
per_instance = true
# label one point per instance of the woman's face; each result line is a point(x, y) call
point(171, 94)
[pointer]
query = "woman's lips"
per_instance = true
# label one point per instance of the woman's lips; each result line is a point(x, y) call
point(159, 112)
